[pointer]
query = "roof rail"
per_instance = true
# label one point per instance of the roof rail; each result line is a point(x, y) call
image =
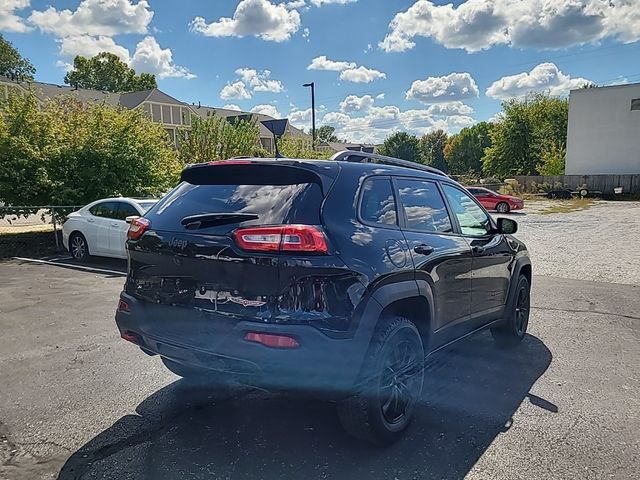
point(364, 157)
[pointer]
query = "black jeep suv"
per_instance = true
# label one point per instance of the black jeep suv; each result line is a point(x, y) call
point(333, 277)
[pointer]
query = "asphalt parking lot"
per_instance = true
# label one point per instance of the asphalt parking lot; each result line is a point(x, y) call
point(78, 402)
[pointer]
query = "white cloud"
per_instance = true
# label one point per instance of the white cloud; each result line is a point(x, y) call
point(479, 24)
point(95, 17)
point(380, 96)
point(296, 4)
point(89, 46)
point(9, 21)
point(376, 123)
point(349, 71)
point(362, 75)
point(353, 103)
point(302, 118)
point(448, 88)
point(236, 90)
point(231, 106)
point(545, 77)
point(305, 34)
point(259, 18)
point(319, 3)
point(451, 108)
point(149, 57)
point(323, 63)
point(266, 109)
point(259, 81)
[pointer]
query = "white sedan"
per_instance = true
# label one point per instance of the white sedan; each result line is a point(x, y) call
point(100, 228)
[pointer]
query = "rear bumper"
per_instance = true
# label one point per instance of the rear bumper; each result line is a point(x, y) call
point(320, 364)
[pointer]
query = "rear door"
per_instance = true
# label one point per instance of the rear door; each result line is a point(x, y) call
point(441, 257)
point(191, 262)
point(100, 219)
point(118, 229)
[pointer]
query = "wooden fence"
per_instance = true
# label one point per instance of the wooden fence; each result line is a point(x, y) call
point(604, 183)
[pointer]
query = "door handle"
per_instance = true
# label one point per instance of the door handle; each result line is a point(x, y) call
point(423, 249)
point(115, 225)
point(478, 250)
point(90, 220)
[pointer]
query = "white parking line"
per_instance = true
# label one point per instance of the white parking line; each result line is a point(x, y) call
point(78, 267)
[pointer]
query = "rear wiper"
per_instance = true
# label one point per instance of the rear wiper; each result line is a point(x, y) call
point(204, 220)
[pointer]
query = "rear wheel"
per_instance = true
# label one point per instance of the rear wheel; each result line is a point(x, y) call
point(502, 207)
point(515, 328)
point(78, 247)
point(391, 384)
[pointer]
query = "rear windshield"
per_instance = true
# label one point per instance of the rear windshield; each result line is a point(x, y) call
point(271, 204)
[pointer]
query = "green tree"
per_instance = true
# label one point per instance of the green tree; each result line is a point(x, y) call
point(529, 128)
point(12, 64)
point(326, 133)
point(107, 72)
point(216, 138)
point(68, 153)
point(300, 147)
point(553, 161)
point(464, 151)
point(402, 145)
point(432, 149)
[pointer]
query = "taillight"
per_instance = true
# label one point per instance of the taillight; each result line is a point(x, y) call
point(284, 238)
point(137, 227)
point(273, 341)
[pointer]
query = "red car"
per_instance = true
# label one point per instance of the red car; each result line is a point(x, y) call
point(495, 201)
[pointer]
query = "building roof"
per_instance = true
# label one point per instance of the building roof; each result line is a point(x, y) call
point(132, 100)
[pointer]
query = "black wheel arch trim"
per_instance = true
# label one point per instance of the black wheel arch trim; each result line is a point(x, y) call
point(517, 269)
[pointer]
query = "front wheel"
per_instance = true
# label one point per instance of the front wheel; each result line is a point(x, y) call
point(390, 385)
point(502, 207)
point(78, 247)
point(517, 321)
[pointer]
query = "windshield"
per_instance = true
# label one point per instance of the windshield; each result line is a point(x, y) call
point(319, 239)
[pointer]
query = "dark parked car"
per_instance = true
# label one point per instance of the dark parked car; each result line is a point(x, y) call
point(337, 278)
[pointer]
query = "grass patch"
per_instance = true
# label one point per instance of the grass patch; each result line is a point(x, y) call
point(568, 206)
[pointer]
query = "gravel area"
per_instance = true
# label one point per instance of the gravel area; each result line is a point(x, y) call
point(599, 243)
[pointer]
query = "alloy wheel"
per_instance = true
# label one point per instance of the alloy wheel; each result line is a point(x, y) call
point(78, 247)
point(400, 382)
point(522, 311)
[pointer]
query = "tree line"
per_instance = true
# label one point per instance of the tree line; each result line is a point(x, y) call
point(528, 138)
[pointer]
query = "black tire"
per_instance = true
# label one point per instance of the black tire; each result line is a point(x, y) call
point(517, 321)
point(390, 385)
point(503, 207)
point(78, 247)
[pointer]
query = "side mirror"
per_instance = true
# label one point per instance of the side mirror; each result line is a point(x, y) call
point(507, 226)
point(131, 218)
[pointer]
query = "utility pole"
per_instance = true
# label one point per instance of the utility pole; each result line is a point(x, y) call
point(313, 110)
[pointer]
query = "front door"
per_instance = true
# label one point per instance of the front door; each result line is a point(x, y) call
point(442, 259)
point(103, 214)
point(492, 256)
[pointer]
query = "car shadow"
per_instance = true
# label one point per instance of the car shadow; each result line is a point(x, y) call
point(180, 431)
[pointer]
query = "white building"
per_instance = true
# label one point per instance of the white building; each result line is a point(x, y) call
point(603, 137)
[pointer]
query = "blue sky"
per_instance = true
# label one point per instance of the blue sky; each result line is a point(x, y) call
point(378, 65)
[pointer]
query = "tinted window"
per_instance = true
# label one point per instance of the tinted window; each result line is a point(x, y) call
point(377, 204)
point(146, 204)
point(126, 210)
point(105, 209)
point(424, 208)
point(472, 219)
point(272, 204)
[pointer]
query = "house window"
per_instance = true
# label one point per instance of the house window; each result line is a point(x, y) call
point(175, 115)
point(166, 114)
point(267, 144)
point(635, 104)
point(157, 113)
point(172, 134)
point(186, 116)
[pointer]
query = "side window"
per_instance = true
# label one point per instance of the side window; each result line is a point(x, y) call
point(106, 210)
point(126, 210)
point(377, 204)
point(424, 208)
point(472, 219)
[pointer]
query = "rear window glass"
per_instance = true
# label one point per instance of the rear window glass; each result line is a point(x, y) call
point(272, 204)
point(377, 204)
